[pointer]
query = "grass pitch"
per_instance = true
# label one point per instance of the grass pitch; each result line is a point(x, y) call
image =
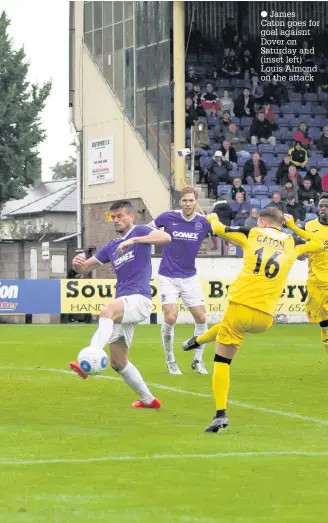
point(73, 451)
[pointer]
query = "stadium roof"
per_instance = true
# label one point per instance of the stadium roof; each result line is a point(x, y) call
point(56, 196)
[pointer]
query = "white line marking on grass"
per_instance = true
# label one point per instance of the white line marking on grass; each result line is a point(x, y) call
point(155, 457)
point(189, 393)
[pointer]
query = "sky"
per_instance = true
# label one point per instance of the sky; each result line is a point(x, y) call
point(41, 27)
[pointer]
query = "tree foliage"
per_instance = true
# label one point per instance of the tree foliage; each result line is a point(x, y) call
point(21, 105)
point(65, 169)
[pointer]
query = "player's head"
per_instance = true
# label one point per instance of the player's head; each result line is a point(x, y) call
point(122, 215)
point(271, 217)
point(188, 201)
point(323, 208)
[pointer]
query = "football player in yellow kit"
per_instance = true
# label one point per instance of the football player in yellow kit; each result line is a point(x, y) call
point(317, 284)
point(269, 254)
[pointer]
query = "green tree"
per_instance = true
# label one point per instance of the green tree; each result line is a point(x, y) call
point(21, 105)
point(65, 169)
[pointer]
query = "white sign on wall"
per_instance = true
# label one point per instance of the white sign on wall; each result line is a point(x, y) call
point(100, 160)
point(45, 251)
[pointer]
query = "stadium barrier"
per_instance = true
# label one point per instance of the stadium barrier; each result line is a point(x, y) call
point(89, 296)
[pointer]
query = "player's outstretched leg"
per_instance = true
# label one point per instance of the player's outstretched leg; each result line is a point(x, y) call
point(195, 341)
point(197, 363)
point(220, 386)
point(324, 334)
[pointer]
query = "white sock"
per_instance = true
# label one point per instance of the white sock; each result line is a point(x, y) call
point(103, 333)
point(167, 332)
point(133, 378)
point(200, 328)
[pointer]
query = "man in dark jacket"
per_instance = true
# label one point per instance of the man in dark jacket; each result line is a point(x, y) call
point(282, 173)
point(323, 142)
point(276, 202)
point(297, 210)
point(244, 105)
point(261, 130)
point(241, 209)
point(235, 188)
point(229, 153)
point(218, 173)
point(306, 193)
point(254, 167)
point(315, 178)
point(193, 112)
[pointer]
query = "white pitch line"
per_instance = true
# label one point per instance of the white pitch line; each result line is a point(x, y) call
point(189, 393)
point(155, 457)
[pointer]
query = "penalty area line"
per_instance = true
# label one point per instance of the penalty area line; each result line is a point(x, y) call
point(287, 414)
point(154, 457)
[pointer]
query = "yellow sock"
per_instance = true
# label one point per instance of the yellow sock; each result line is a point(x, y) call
point(324, 337)
point(209, 335)
point(221, 384)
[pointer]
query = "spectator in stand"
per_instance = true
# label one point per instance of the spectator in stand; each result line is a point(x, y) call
point(277, 202)
point(302, 136)
point(289, 190)
point(258, 179)
point(261, 131)
point(230, 66)
point(323, 142)
point(201, 139)
point(256, 90)
point(236, 188)
point(223, 210)
point(297, 210)
point(315, 178)
point(251, 221)
point(210, 100)
point(244, 105)
point(247, 64)
point(195, 40)
point(268, 114)
point(191, 78)
point(229, 34)
point(226, 104)
point(222, 126)
point(276, 93)
point(218, 173)
point(293, 176)
point(193, 112)
point(241, 209)
point(282, 172)
point(298, 155)
point(254, 167)
point(229, 154)
point(306, 193)
point(236, 139)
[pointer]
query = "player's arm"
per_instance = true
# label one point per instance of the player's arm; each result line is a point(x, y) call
point(83, 266)
point(313, 244)
point(147, 236)
point(237, 235)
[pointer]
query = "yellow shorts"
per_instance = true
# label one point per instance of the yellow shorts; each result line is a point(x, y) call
point(239, 319)
point(317, 304)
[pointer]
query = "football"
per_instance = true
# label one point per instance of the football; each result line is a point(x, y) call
point(92, 361)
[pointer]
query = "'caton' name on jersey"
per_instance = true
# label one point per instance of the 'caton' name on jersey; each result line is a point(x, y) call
point(185, 235)
point(122, 259)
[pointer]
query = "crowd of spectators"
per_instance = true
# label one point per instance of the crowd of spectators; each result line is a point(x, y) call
point(257, 144)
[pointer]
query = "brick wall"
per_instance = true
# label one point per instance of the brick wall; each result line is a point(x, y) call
point(97, 231)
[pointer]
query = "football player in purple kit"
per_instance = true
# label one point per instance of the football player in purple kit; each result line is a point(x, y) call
point(177, 274)
point(130, 256)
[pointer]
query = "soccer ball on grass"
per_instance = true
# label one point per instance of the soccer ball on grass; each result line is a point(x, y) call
point(92, 361)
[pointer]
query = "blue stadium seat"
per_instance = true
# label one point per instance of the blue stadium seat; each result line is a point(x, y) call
point(207, 58)
point(235, 119)
point(241, 160)
point(212, 121)
point(200, 71)
point(267, 157)
point(211, 134)
point(223, 189)
point(323, 162)
point(245, 121)
point(313, 122)
point(323, 171)
point(277, 134)
point(310, 216)
point(274, 188)
point(323, 122)
point(215, 146)
point(283, 120)
point(311, 97)
point(222, 82)
point(275, 109)
point(295, 97)
point(313, 162)
point(205, 164)
point(191, 59)
point(266, 148)
point(286, 133)
point(305, 109)
point(320, 110)
point(250, 147)
point(323, 97)
point(265, 202)
point(315, 132)
point(281, 148)
point(275, 161)
point(247, 188)
point(260, 190)
point(255, 203)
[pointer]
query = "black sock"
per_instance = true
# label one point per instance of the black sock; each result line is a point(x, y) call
point(220, 413)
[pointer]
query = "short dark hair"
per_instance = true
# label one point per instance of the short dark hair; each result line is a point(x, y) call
point(324, 195)
point(120, 204)
point(273, 214)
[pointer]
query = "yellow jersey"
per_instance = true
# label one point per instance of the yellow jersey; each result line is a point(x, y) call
point(318, 262)
point(269, 254)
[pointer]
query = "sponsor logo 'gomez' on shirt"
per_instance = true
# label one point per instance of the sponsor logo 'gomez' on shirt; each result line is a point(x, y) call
point(185, 235)
point(122, 259)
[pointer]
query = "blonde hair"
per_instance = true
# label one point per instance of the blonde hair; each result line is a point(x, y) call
point(188, 190)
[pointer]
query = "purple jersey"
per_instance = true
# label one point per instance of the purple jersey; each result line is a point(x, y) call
point(179, 256)
point(132, 268)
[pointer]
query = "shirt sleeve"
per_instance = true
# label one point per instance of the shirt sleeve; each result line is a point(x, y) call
point(102, 254)
point(236, 235)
